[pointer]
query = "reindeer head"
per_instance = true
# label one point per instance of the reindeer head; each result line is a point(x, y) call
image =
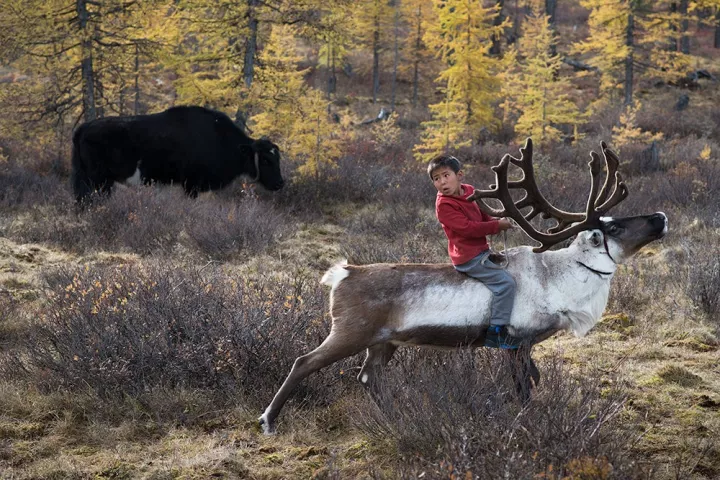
point(620, 237)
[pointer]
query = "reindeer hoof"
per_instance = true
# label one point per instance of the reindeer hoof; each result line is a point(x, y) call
point(267, 427)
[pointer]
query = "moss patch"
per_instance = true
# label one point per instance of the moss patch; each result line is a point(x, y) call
point(678, 375)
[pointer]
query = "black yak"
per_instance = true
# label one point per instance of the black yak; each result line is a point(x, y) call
point(198, 148)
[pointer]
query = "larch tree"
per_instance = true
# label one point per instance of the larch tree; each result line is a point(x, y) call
point(293, 113)
point(373, 29)
point(667, 61)
point(462, 36)
point(611, 24)
point(334, 42)
point(535, 93)
point(74, 54)
point(627, 34)
point(221, 42)
point(627, 130)
point(712, 19)
point(418, 15)
point(210, 56)
point(396, 52)
point(446, 131)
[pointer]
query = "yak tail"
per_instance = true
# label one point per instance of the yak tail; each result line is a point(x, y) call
point(79, 178)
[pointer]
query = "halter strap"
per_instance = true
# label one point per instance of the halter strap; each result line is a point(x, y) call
point(597, 272)
point(257, 168)
point(607, 250)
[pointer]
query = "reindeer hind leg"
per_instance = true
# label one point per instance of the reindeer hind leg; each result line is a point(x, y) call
point(377, 357)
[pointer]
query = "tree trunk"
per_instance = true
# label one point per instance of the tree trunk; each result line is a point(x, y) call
point(86, 65)
point(550, 7)
point(376, 58)
point(684, 38)
point(396, 55)
point(332, 77)
point(136, 105)
point(672, 42)
point(250, 43)
point(498, 20)
point(99, 89)
point(629, 60)
point(416, 66)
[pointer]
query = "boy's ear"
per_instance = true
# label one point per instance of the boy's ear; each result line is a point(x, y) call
point(460, 173)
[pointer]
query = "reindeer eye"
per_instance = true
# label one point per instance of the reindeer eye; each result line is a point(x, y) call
point(614, 230)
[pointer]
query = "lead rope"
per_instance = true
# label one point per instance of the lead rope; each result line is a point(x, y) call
point(504, 251)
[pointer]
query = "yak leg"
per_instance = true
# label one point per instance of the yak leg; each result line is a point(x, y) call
point(377, 357)
point(334, 348)
point(524, 372)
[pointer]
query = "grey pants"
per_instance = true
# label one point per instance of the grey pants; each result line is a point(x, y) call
point(498, 280)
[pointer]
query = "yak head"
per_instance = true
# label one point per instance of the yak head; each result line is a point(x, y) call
point(267, 164)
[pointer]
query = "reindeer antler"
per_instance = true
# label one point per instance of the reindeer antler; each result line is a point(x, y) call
point(568, 223)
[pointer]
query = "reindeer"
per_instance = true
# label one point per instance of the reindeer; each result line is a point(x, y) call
point(382, 306)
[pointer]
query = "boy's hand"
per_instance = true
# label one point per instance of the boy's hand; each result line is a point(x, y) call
point(504, 224)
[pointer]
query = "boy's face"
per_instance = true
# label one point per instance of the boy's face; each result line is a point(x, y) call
point(448, 182)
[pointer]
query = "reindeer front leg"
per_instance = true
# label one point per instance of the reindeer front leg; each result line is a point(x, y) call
point(524, 372)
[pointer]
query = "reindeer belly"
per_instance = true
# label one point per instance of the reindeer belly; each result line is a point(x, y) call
point(438, 336)
point(443, 315)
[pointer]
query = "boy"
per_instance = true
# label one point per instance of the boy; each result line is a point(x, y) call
point(466, 228)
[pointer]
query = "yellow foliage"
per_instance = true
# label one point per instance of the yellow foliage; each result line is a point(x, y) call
point(371, 21)
point(653, 26)
point(533, 87)
point(386, 132)
point(628, 132)
point(418, 15)
point(608, 24)
point(660, 29)
point(706, 153)
point(461, 36)
point(446, 131)
point(335, 39)
point(293, 114)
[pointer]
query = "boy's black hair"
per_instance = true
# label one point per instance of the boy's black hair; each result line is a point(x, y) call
point(444, 161)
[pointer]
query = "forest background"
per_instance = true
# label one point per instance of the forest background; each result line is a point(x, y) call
point(141, 338)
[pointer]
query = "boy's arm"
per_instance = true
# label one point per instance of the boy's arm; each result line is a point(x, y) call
point(460, 224)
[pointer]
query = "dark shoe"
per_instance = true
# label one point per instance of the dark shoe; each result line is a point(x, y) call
point(497, 336)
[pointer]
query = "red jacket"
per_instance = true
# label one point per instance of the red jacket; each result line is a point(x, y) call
point(465, 225)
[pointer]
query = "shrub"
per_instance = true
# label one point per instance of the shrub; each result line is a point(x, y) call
point(150, 220)
point(661, 117)
point(220, 230)
point(140, 220)
point(471, 426)
point(136, 330)
point(702, 283)
point(405, 233)
point(23, 187)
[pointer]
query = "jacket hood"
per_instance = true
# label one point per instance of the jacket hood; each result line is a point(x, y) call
point(466, 189)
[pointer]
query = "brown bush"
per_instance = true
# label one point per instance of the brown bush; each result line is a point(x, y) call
point(134, 330)
point(702, 280)
point(661, 117)
point(22, 187)
point(220, 230)
point(451, 423)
